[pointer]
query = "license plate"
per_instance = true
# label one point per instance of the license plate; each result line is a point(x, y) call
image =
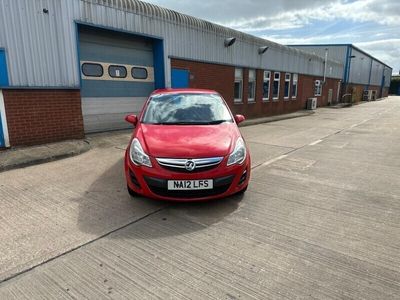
point(185, 185)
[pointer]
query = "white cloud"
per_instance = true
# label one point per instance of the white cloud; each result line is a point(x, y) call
point(227, 11)
point(378, 11)
point(374, 24)
point(286, 14)
point(362, 11)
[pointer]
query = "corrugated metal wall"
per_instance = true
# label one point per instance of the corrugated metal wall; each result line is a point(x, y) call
point(42, 48)
point(388, 76)
point(360, 66)
point(191, 38)
point(335, 52)
point(376, 73)
point(363, 68)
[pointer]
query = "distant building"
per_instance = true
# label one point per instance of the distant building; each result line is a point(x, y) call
point(361, 72)
point(395, 85)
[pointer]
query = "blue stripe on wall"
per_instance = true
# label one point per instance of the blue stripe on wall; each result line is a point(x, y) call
point(3, 83)
point(346, 69)
point(3, 69)
point(2, 143)
point(349, 67)
point(159, 75)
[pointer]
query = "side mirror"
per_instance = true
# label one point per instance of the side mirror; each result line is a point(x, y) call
point(239, 119)
point(131, 119)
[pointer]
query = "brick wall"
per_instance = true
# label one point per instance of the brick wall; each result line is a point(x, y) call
point(221, 78)
point(43, 116)
point(385, 92)
point(307, 84)
point(211, 76)
point(357, 91)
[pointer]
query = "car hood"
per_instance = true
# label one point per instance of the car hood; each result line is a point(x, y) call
point(184, 141)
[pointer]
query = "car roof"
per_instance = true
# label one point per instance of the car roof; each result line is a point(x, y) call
point(182, 91)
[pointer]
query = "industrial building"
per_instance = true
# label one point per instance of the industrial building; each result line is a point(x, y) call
point(79, 66)
point(395, 85)
point(364, 77)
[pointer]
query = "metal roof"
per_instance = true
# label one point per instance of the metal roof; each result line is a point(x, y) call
point(169, 15)
point(341, 45)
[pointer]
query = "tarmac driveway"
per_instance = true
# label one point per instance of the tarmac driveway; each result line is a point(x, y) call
point(320, 220)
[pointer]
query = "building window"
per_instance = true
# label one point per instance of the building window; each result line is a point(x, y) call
point(318, 88)
point(267, 81)
point(287, 86)
point(139, 73)
point(92, 70)
point(276, 87)
point(117, 71)
point(252, 86)
point(294, 86)
point(238, 89)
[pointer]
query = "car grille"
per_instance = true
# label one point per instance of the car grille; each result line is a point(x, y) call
point(160, 187)
point(179, 164)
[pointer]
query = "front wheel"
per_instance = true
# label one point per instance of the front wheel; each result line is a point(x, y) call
point(243, 190)
point(131, 192)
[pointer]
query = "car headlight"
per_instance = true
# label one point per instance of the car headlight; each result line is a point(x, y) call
point(137, 155)
point(238, 155)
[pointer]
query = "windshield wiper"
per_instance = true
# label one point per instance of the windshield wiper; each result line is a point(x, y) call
point(177, 123)
point(216, 122)
point(192, 122)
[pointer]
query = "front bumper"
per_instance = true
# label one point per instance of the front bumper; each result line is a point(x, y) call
point(152, 182)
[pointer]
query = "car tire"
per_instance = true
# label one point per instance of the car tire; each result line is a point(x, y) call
point(131, 192)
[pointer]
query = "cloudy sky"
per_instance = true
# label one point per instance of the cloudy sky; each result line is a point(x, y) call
point(372, 25)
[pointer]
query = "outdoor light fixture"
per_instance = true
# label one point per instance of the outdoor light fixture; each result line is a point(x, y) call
point(262, 50)
point(229, 41)
point(45, 10)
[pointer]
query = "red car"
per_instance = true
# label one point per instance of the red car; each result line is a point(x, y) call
point(186, 146)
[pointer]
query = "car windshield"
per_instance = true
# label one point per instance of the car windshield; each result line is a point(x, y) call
point(186, 109)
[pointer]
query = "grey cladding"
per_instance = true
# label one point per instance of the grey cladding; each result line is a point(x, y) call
point(51, 59)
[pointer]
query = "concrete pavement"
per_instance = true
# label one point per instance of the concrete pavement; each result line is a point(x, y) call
point(27, 156)
point(320, 220)
point(297, 114)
